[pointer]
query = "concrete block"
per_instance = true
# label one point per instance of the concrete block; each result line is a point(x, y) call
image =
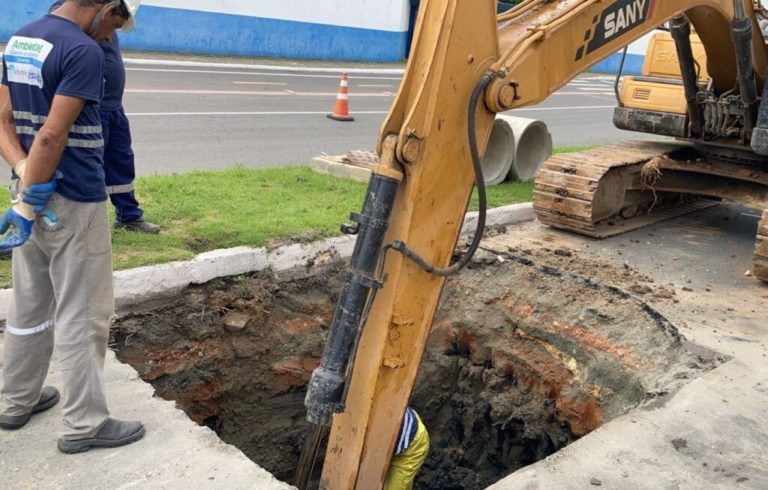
point(501, 216)
point(335, 167)
point(136, 285)
point(227, 262)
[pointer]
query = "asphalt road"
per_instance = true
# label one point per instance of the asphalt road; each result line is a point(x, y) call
point(208, 118)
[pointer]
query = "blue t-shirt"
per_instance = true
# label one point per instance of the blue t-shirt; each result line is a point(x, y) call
point(52, 56)
point(114, 76)
point(114, 72)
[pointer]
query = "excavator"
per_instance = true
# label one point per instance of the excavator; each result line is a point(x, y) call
point(467, 64)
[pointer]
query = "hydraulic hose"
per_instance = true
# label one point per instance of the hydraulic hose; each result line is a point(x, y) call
point(401, 247)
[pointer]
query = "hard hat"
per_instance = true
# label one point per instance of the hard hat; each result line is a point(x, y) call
point(131, 6)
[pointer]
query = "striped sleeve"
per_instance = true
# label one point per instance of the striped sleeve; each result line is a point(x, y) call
point(407, 431)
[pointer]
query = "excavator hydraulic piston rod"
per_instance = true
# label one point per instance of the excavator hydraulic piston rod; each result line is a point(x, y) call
point(741, 35)
point(680, 29)
point(326, 387)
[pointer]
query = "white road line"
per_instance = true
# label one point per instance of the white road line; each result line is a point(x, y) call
point(259, 113)
point(750, 215)
point(252, 92)
point(591, 89)
point(591, 86)
point(289, 92)
point(583, 93)
point(260, 83)
point(374, 86)
point(310, 113)
point(261, 74)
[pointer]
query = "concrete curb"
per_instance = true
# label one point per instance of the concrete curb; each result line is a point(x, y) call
point(245, 66)
point(331, 166)
point(137, 286)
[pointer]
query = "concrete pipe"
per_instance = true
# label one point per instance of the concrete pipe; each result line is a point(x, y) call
point(533, 146)
point(516, 149)
point(499, 154)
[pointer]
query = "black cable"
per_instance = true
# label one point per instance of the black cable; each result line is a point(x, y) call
point(479, 183)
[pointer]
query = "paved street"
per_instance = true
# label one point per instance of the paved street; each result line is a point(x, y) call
point(206, 118)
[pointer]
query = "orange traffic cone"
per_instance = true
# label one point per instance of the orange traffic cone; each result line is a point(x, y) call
point(341, 109)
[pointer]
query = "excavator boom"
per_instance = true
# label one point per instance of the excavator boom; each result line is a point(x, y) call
point(424, 145)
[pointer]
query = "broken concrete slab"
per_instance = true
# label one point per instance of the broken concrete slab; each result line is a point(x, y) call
point(174, 453)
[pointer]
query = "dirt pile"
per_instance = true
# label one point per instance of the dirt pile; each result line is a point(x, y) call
point(524, 357)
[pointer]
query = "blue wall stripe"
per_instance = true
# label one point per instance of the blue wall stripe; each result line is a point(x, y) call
point(633, 65)
point(209, 33)
point(189, 31)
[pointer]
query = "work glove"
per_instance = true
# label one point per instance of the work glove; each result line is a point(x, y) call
point(38, 195)
point(21, 216)
point(19, 169)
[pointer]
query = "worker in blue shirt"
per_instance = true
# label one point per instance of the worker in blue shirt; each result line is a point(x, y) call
point(411, 450)
point(119, 161)
point(51, 135)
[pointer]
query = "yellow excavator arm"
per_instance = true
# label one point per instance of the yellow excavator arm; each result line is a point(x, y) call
point(426, 144)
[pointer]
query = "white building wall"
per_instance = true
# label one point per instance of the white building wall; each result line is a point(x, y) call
point(383, 15)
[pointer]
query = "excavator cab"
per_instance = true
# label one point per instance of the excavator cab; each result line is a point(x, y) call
point(659, 88)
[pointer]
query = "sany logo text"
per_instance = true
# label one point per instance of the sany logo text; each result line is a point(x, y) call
point(627, 16)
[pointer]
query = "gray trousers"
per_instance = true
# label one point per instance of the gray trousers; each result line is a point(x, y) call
point(62, 284)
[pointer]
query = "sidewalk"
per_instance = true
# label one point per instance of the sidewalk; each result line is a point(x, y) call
point(175, 453)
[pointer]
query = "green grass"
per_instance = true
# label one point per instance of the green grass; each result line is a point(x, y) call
point(573, 149)
point(201, 211)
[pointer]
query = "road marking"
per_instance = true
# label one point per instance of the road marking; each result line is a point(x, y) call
point(261, 74)
point(310, 113)
point(751, 215)
point(289, 92)
point(374, 86)
point(582, 87)
point(252, 92)
point(591, 89)
point(583, 93)
point(259, 113)
point(260, 83)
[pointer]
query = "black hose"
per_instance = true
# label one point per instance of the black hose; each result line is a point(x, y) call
point(479, 183)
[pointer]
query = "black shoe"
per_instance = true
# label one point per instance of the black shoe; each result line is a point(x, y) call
point(137, 225)
point(113, 433)
point(49, 396)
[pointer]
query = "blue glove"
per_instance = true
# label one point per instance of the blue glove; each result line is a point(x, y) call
point(21, 217)
point(38, 195)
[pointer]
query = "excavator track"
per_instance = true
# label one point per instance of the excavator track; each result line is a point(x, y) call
point(587, 192)
point(760, 257)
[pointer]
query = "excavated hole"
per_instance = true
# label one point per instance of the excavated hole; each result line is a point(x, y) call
point(523, 359)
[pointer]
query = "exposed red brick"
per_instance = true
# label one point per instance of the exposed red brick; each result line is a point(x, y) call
point(442, 336)
point(296, 326)
point(589, 340)
point(580, 411)
point(200, 401)
point(292, 373)
point(161, 363)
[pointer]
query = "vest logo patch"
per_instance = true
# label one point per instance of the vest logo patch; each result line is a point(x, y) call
point(24, 59)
